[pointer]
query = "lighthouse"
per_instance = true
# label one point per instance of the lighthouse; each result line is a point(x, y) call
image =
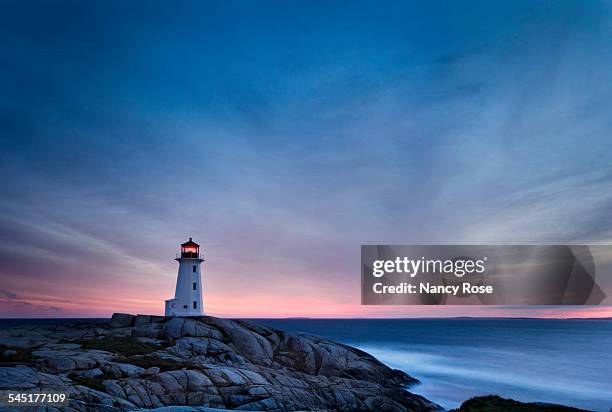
point(188, 294)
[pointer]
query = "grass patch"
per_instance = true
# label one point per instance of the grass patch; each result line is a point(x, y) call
point(151, 361)
point(494, 403)
point(127, 346)
point(93, 383)
point(21, 356)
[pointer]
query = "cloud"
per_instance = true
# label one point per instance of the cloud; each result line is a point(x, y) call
point(22, 304)
point(282, 147)
point(11, 304)
point(7, 294)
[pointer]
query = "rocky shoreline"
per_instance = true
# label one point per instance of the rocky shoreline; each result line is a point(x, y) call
point(134, 362)
point(204, 364)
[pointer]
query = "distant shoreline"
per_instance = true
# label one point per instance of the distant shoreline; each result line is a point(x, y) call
point(359, 318)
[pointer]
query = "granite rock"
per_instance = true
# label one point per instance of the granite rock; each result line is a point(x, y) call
point(202, 363)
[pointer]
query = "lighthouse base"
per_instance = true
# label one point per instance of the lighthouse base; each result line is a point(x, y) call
point(175, 308)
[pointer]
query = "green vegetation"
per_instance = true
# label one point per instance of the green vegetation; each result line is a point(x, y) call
point(127, 346)
point(20, 356)
point(151, 361)
point(93, 383)
point(493, 403)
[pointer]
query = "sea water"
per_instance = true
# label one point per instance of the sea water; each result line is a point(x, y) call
point(559, 361)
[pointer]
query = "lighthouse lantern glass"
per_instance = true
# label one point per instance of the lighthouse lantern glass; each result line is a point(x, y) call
point(190, 250)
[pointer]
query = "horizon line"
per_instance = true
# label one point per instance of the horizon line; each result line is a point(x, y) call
point(332, 318)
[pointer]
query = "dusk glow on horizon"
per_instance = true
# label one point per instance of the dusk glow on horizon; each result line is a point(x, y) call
point(281, 138)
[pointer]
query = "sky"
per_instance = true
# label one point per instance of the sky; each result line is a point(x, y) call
point(283, 135)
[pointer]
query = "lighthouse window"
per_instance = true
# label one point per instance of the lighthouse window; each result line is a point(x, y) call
point(184, 306)
point(194, 286)
point(194, 268)
point(195, 304)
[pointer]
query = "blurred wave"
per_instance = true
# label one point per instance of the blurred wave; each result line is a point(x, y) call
point(468, 373)
point(545, 360)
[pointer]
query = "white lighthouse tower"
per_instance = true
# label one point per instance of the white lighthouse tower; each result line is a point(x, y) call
point(188, 294)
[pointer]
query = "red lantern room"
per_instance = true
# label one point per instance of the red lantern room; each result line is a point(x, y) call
point(190, 249)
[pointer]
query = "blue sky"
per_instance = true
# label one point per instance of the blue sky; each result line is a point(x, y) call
point(283, 135)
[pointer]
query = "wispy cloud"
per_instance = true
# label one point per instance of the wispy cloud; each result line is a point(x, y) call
point(283, 141)
point(7, 294)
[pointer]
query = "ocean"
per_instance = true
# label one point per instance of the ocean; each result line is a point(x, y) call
point(559, 361)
